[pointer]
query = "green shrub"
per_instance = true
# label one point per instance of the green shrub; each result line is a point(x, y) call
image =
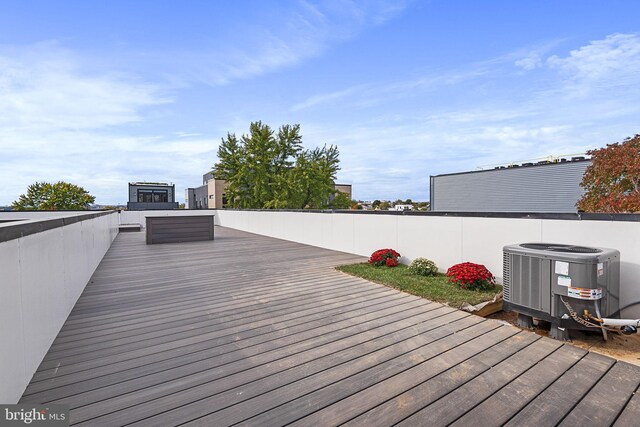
point(423, 267)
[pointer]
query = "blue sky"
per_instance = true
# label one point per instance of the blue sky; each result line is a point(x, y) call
point(100, 93)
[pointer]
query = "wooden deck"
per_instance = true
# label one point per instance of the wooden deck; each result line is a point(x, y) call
point(256, 331)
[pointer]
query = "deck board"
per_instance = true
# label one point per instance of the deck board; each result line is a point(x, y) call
point(251, 330)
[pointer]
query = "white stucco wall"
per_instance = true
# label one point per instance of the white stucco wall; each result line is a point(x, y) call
point(446, 240)
point(138, 217)
point(42, 276)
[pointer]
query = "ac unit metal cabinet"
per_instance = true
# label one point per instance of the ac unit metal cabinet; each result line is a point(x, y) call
point(538, 275)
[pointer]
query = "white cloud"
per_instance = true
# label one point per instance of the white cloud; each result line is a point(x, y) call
point(370, 94)
point(182, 134)
point(44, 87)
point(59, 121)
point(531, 61)
point(304, 32)
point(104, 163)
point(375, 93)
point(533, 57)
point(601, 65)
point(601, 58)
point(327, 97)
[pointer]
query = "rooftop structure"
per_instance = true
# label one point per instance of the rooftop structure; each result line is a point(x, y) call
point(151, 196)
point(543, 186)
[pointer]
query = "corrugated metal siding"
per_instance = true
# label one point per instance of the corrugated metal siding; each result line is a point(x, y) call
point(545, 188)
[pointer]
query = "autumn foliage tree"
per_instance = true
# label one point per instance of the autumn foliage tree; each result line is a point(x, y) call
point(43, 196)
point(612, 181)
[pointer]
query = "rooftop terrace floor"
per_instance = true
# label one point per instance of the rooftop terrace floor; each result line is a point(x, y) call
point(252, 330)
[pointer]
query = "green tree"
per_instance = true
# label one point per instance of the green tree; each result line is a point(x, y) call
point(230, 154)
point(340, 201)
point(384, 206)
point(268, 170)
point(58, 196)
point(375, 204)
point(612, 180)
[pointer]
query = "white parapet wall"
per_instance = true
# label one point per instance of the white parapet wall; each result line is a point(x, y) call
point(139, 217)
point(46, 261)
point(447, 240)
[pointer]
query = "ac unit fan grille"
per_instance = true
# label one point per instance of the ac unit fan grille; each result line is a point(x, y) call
point(561, 248)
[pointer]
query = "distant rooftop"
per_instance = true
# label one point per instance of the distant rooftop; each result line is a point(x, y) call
point(148, 183)
point(525, 164)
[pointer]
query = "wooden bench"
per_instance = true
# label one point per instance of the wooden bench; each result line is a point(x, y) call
point(174, 229)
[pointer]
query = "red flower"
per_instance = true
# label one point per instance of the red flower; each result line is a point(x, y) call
point(382, 257)
point(471, 276)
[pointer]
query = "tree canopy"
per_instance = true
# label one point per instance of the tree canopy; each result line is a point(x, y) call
point(271, 170)
point(58, 196)
point(340, 201)
point(612, 181)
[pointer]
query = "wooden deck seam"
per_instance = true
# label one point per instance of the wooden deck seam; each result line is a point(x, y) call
point(277, 306)
point(220, 330)
point(636, 391)
point(213, 292)
point(314, 314)
point(418, 307)
point(119, 315)
point(277, 332)
point(506, 385)
point(498, 361)
point(324, 388)
point(58, 378)
point(464, 318)
point(167, 284)
point(305, 419)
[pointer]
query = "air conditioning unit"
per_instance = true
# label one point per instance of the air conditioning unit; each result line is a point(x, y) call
point(572, 287)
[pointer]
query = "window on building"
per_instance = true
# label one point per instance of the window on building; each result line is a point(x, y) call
point(153, 196)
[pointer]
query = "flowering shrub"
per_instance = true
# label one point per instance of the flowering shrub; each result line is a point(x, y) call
point(387, 257)
point(423, 267)
point(471, 276)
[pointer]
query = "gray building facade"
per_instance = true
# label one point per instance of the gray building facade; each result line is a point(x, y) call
point(197, 198)
point(544, 187)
